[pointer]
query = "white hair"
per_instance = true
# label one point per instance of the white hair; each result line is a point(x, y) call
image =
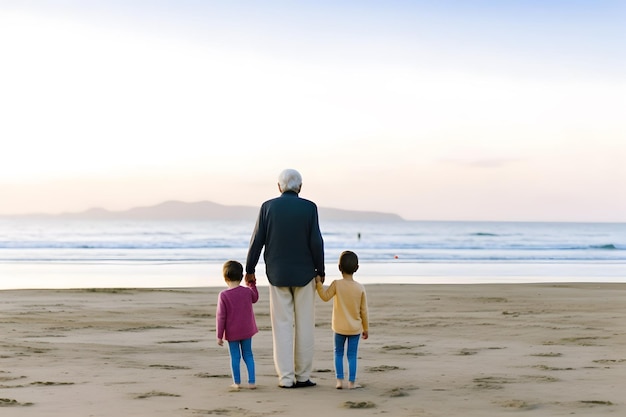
point(290, 180)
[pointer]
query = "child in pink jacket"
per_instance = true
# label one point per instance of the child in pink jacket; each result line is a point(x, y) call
point(235, 321)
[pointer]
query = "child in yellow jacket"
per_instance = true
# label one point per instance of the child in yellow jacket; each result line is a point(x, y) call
point(349, 319)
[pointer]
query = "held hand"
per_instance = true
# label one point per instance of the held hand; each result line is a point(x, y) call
point(365, 335)
point(318, 280)
point(220, 342)
point(250, 278)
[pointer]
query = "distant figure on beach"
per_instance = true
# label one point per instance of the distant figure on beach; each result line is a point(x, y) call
point(350, 316)
point(288, 228)
point(235, 321)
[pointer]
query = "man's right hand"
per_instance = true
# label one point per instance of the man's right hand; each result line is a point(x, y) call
point(250, 278)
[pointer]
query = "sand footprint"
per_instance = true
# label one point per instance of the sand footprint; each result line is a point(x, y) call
point(517, 404)
point(154, 394)
point(382, 368)
point(231, 411)
point(399, 392)
point(359, 404)
point(8, 402)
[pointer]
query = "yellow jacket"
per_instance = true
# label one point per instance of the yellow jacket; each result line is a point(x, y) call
point(349, 306)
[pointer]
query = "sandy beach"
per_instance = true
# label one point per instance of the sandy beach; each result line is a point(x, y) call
point(434, 350)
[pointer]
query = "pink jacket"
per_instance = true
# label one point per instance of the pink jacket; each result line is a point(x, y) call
point(235, 315)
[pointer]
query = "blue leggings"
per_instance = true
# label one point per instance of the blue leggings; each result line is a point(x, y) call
point(239, 349)
point(353, 346)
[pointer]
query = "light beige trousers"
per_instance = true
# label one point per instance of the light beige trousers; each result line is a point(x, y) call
point(292, 312)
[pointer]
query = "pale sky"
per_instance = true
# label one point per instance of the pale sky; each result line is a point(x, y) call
point(434, 110)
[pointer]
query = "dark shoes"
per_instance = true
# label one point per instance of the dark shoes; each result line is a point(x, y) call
point(305, 384)
point(300, 384)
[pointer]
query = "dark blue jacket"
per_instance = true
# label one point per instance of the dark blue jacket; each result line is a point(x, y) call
point(288, 228)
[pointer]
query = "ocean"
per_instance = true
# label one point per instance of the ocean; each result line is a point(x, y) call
point(55, 253)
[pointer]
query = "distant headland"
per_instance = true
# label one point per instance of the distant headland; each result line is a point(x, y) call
point(207, 210)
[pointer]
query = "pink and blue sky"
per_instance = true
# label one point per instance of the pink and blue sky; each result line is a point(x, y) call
point(435, 110)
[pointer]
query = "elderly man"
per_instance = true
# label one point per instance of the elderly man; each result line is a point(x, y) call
point(288, 228)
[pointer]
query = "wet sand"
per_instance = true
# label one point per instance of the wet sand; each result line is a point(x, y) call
point(434, 350)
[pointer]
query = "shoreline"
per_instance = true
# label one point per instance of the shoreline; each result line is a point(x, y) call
point(434, 350)
point(50, 275)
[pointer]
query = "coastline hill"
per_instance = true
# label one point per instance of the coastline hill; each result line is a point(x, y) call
point(207, 210)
